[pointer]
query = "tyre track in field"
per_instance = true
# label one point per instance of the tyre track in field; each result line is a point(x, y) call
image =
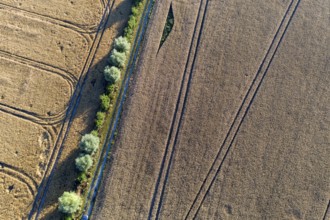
point(327, 212)
point(179, 111)
point(75, 99)
point(82, 29)
point(242, 111)
point(19, 174)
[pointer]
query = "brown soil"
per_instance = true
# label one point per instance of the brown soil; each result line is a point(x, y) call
point(277, 140)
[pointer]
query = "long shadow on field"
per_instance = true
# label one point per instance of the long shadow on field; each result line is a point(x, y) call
point(83, 122)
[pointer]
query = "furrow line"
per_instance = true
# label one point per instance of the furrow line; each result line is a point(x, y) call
point(242, 112)
point(179, 111)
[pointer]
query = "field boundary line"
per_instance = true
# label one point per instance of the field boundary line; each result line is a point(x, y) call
point(115, 120)
point(173, 129)
point(73, 104)
point(64, 23)
point(242, 111)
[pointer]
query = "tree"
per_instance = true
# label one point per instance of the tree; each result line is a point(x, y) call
point(111, 74)
point(117, 58)
point(122, 45)
point(89, 143)
point(84, 162)
point(69, 203)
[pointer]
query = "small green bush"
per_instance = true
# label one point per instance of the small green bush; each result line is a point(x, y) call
point(89, 143)
point(117, 58)
point(82, 177)
point(100, 116)
point(111, 74)
point(111, 88)
point(105, 102)
point(69, 203)
point(84, 162)
point(95, 133)
point(122, 45)
point(68, 217)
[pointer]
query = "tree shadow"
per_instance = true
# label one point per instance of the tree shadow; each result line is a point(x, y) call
point(64, 175)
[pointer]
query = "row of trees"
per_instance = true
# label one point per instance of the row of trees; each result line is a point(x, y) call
point(70, 202)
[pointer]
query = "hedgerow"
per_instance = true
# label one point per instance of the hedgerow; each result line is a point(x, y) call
point(70, 202)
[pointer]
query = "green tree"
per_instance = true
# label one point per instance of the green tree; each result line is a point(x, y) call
point(84, 162)
point(122, 45)
point(89, 143)
point(117, 58)
point(111, 74)
point(69, 203)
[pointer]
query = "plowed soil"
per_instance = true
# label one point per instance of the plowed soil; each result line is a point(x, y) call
point(229, 119)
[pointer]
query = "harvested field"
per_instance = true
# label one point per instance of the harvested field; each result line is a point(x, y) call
point(46, 54)
point(229, 119)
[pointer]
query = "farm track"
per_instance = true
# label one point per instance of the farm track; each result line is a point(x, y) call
point(70, 25)
point(75, 99)
point(19, 175)
point(242, 111)
point(179, 110)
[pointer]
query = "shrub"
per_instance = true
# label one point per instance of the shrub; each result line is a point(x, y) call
point(117, 58)
point(122, 45)
point(89, 143)
point(128, 33)
point(111, 74)
point(68, 217)
point(105, 102)
point(100, 116)
point(111, 89)
point(82, 177)
point(84, 162)
point(95, 133)
point(69, 203)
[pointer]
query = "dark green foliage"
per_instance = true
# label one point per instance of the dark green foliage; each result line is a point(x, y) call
point(100, 116)
point(105, 102)
point(82, 177)
point(95, 133)
point(112, 88)
point(168, 26)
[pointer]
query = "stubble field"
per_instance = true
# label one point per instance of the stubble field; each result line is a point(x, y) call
point(47, 50)
point(229, 119)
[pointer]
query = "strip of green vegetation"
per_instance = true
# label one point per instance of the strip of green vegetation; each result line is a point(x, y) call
point(70, 203)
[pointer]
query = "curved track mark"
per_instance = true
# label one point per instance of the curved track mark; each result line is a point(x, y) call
point(242, 112)
point(20, 175)
point(88, 29)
